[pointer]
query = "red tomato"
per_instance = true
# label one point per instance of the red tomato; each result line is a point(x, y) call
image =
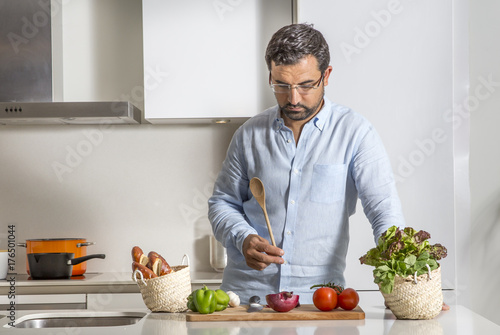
point(348, 299)
point(325, 298)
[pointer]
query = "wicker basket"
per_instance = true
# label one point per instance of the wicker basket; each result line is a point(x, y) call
point(167, 293)
point(416, 298)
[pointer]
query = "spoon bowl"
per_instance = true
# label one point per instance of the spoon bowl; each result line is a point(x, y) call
point(259, 193)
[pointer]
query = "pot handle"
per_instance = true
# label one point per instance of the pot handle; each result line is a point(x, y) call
point(79, 260)
point(22, 245)
point(84, 244)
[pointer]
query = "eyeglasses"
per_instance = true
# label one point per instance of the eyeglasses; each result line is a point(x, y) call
point(301, 89)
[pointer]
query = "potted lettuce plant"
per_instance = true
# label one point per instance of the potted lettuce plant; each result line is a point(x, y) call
point(407, 272)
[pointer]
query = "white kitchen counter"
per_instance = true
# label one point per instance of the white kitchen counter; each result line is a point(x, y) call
point(379, 320)
point(113, 282)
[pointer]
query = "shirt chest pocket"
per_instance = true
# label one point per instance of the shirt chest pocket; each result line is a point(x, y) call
point(328, 183)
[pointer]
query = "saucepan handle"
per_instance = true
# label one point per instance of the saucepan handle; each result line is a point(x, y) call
point(79, 260)
point(84, 244)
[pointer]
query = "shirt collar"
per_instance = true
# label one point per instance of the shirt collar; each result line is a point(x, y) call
point(278, 122)
point(320, 118)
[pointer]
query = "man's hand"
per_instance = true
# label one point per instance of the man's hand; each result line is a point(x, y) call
point(259, 253)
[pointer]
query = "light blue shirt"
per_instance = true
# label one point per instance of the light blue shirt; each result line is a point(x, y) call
point(311, 190)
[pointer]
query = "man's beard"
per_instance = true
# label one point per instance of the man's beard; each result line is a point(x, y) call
point(302, 112)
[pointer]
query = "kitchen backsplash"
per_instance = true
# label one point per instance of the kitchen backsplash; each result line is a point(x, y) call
point(119, 187)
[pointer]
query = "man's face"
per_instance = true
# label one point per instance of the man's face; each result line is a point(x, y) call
point(293, 105)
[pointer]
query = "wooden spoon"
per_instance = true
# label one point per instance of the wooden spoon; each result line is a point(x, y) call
point(259, 193)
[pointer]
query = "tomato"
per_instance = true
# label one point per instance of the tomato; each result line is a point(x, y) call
point(348, 299)
point(325, 298)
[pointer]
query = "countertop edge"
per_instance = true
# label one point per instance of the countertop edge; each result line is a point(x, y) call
point(113, 282)
point(378, 320)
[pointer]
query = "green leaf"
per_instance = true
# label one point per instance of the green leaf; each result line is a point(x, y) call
point(383, 268)
point(424, 256)
point(410, 260)
point(433, 264)
point(387, 286)
point(418, 266)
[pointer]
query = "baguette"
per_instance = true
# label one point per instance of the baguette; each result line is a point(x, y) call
point(139, 256)
point(158, 264)
point(146, 272)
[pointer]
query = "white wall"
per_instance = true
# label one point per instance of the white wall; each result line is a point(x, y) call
point(485, 158)
point(129, 185)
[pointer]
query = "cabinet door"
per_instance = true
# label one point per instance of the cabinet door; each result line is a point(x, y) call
point(113, 301)
point(204, 60)
point(399, 74)
point(45, 301)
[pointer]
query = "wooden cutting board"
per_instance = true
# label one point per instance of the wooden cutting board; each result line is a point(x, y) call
point(304, 312)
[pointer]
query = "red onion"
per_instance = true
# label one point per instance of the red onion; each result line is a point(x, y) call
point(283, 301)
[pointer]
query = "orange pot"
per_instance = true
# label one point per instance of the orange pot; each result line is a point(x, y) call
point(77, 246)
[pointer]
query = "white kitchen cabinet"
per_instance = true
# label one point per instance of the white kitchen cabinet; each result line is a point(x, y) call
point(406, 78)
point(92, 301)
point(114, 301)
point(97, 51)
point(44, 301)
point(204, 60)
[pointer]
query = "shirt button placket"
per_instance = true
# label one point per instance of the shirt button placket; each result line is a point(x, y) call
point(285, 268)
point(288, 238)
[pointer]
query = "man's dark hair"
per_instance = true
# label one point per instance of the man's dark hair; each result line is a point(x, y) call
point(292, 43)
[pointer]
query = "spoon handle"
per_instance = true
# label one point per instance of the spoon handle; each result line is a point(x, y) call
point(269, 227)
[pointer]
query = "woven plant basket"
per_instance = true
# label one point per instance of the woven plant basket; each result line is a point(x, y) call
point(167, 293)
point(416, 298)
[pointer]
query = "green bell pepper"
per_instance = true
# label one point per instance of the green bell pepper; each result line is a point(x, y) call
point(204, 300)
point(190, 303)
point(222, 300)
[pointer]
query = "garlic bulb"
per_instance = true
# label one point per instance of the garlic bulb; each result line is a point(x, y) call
point(234, 299)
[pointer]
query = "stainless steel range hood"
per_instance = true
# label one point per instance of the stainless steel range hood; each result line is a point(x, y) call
point(107, 112)
point(26, 86)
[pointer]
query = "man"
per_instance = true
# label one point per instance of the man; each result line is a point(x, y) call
point(315, 158)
